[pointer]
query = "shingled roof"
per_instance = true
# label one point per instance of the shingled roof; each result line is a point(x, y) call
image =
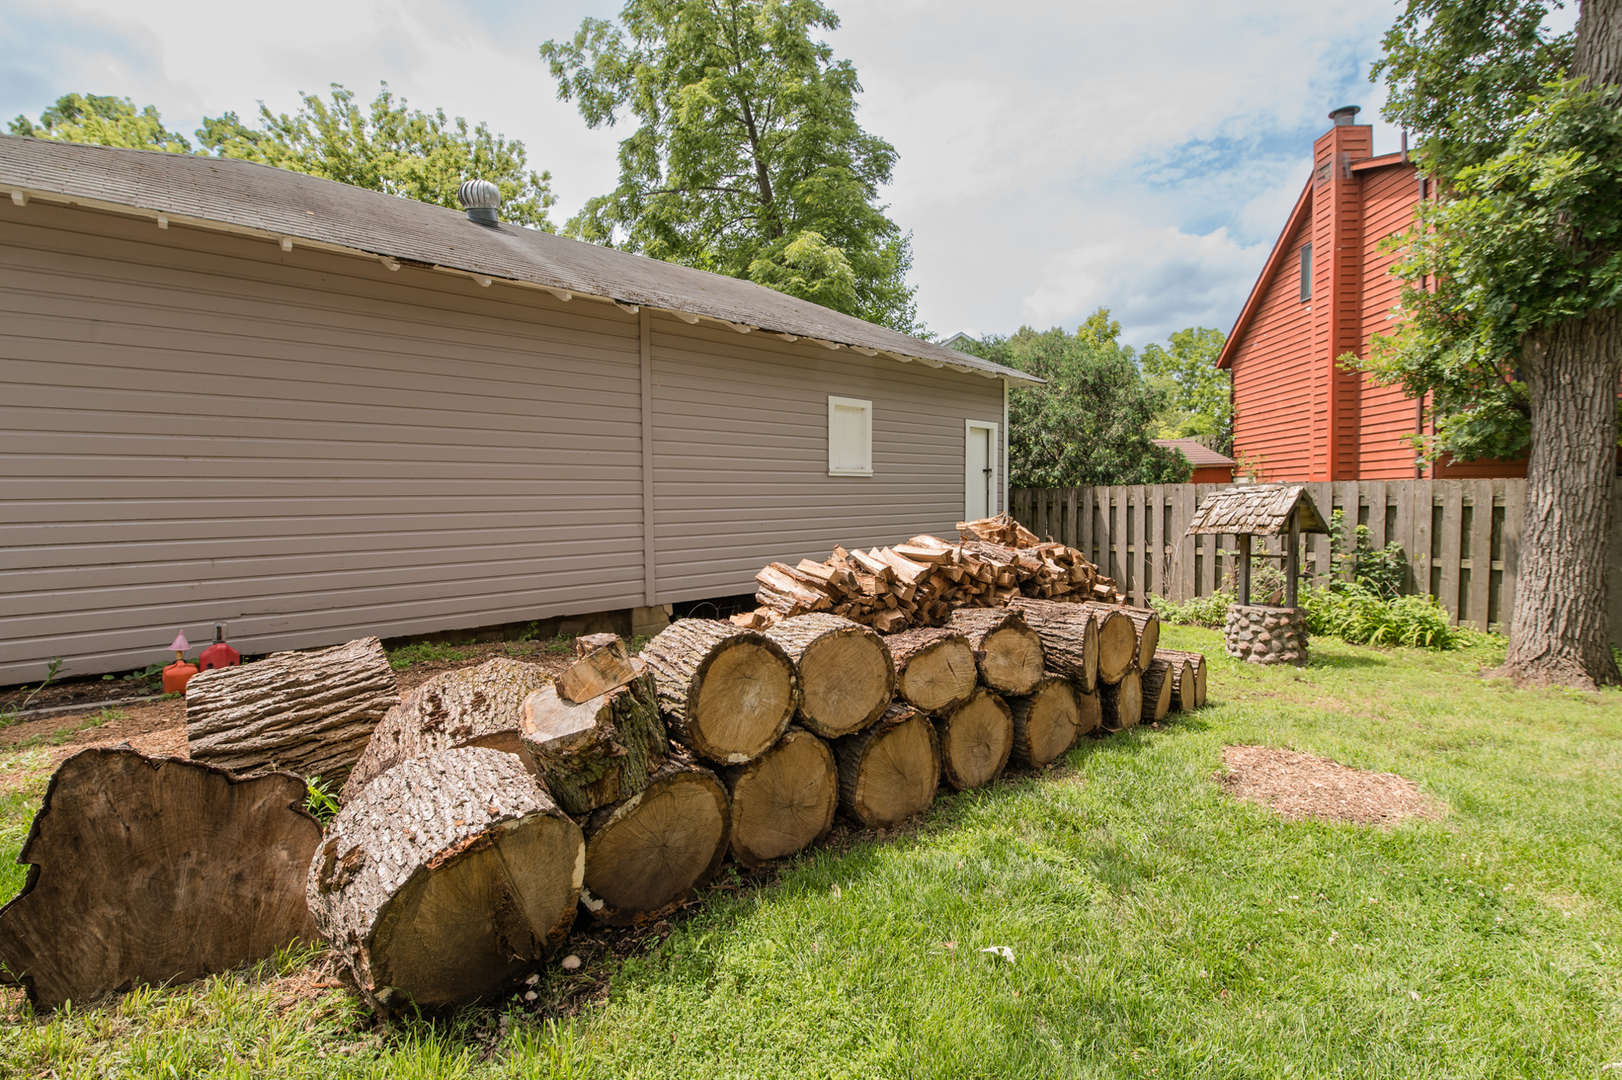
point(1259, 510)
point(275, 204)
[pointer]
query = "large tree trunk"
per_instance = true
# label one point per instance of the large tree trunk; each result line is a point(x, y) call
point(1069, 635)
point(1007, 650)
point(595, 752)
point(446, 880)
point(155, 870)
point(846, 676)
point(976, 739)
point(1560, 631)
point(1046, 723)
point(727, 693)
point(784, 800)
point(890, 771)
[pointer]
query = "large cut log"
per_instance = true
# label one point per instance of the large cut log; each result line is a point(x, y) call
point(846, 676)
point(446, 880)
point(155, 870)
point(727, 693)
point(1157, 686)
point(1121, 702)
point(308, 713)
point(1117, 642)
point(595, 752)
point(601, 664)
point(1092, 712)
point(1069, 636)
point(1047, 722)
point(646, 855)
point(1192, 689)
point(476, 706)
point(934, 669)
point(1007, 650)
point(784, 800)
point(1145, 628)
point(975, 739)
point(890, 771)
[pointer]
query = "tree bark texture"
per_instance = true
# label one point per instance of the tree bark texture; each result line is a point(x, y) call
point(595, 752)
point(1091, 710)
point(1157, 685)
point(1117, 642)
point(1121, 702)
point(1069, 635)
point(934, 668)
point(727, 693)
point(784, 800)
point(469, 707)
point(1047, 722)
point(1559, 631)
point(975, 740)
point(1007, 650)
point(308, 713)
point(846, 674)
point(146, 871)
point(446, 879)
point(889, 772)
point(1145, 629)
point(647, 855)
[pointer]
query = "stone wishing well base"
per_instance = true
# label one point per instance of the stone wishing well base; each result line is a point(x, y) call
point(1267, 635)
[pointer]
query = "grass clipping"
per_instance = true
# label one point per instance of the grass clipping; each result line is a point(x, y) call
point(1301, 786)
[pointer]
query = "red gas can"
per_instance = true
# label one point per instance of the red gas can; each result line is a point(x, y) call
point(219, 654)
point(179, 673)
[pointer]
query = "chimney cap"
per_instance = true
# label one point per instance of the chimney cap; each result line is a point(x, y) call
point(1346, 114)
point(482, 200)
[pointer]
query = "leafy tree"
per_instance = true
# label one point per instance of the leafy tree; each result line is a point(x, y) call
point(386, 146)
point(1091, 423)
point(1512, 277)
point(747, 159)
point(1199, 396)
point(105, 121)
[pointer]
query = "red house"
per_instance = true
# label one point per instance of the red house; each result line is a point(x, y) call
point(1325, 290)
point(1210, 467)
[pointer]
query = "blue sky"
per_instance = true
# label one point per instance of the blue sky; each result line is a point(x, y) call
point(1054, 157)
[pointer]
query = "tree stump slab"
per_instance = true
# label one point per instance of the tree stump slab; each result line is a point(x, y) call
point(1069, 634)
point(935, 669)
point(596, 752)
point(1007, 651)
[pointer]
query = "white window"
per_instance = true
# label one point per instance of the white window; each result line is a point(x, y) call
point(850, 437)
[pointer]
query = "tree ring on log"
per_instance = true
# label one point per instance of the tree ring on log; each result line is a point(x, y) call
point(976, 739)
point(1046, 723)
point(784, 800)
point(889, 772)
point(846, 674)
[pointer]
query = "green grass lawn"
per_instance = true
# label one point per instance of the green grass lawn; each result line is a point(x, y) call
point(1159, 928)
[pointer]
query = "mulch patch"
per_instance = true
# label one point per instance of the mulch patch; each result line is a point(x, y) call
point(1301, 787)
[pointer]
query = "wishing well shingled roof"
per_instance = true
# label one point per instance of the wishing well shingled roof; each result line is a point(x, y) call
point(1260, 510)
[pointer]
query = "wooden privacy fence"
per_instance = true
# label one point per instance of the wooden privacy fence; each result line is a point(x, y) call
point(1461, 538)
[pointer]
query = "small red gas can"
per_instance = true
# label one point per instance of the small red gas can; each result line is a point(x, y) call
point(219, 654)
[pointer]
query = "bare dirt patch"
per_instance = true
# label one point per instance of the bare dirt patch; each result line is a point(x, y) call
point(1301, 786)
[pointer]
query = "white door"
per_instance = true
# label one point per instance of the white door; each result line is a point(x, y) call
point(979, 470)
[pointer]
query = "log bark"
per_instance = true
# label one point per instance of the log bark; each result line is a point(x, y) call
point(1157, 687)
point(1121, 702)
point(1145, 630)
point(446, 880)
point(596, 752)
point(889, 772)
point(647, 855)
point(1182, 678)
point(784, 800)
point(146, 871)
point(308, 713)
point(1117, 642)
point(934, 669)
point(1007, 650)
point(1092, 712)
point(1191, 687)
point(1047, 722)
point(597, 670)
point(727, 693)
point(1069, 634)
point(846, 674)
point(975, 740)
point(469, 707)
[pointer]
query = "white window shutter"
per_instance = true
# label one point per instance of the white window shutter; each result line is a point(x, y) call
point(850, 437)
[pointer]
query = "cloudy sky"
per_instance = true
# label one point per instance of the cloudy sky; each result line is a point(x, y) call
point(1054, 156)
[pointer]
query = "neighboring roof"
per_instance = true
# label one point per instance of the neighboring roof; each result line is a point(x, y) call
point(1302, 211)
point(1256, 509)
point(1202, 456)
point(959, 339)
point(276, 204)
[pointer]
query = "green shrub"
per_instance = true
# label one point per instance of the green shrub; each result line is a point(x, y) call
point(1201, 611)
point(1357, 614)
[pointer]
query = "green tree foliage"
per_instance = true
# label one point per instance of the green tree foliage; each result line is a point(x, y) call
point(386, 146)
point(1092, 422)
point(747, 159)
point(1199, 396)
point(105, 121)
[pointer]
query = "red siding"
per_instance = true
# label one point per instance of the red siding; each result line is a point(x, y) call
point(1272, 375)
point(1212, 474)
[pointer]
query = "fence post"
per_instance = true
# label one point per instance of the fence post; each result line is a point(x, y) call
point(1480, 553)
point(1449, 549)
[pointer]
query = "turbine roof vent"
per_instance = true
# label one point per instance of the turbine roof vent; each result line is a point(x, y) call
point(482, 200)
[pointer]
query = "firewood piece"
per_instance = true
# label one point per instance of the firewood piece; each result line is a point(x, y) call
point(588, 643)
point(593, 753)
point(646, 855)
point(1194, 686)
point(784, 800)
point(828, 575)
point(1145, 628)
point(905, 569)
point(146, 871)
point(1007, 650)
point(727, 693)
point(890, 771)
point(1121, 702)
point(975, 739)
point(446, 879)
point(597, 672)
point(934, 669)
point(1069, 638)
point(775, 579)
point(1047, 722)
point(1157, 685)
point(846, 675)
point(1117, 642)
point(873, 565)
point(925, 555)
point(308, 713)
point(1092, 712)
point(468, 707)
point(762, 618)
